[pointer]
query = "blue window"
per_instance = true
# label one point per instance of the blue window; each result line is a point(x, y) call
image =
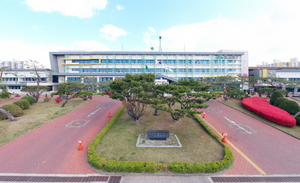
point(180, 61)
point(159, 70)
point(73, 78)
point(103, 79)
point(104, 61)
point(86, 61)
point(180, 70)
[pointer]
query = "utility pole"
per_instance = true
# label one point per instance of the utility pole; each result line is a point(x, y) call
point(160, 50)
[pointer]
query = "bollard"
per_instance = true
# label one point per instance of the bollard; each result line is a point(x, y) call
point(224, 139)
point(203, 115)
point(80, 147)
point(109, 116)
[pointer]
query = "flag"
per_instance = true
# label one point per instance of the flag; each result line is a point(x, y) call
point(147, 68)
point(165, 65)
point(158, 62)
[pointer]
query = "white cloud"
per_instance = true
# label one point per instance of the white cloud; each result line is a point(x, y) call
point(264, 38)
point(151, 39)
point(120, 7)
point(111, 32)
point(17, 50)
point(79, 8)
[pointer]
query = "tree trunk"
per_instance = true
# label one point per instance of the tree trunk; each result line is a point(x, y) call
point(7, 114)
point(69, 98)
point(296, 114)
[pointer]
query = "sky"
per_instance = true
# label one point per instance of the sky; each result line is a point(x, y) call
point(267, 29)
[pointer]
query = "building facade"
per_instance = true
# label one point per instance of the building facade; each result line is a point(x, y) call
point(15, 76)
point(103, 66)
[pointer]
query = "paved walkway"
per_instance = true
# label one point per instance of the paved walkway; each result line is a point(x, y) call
point(52, 148)
point(264, 149)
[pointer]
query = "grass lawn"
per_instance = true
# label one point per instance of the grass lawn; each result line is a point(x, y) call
point(38, 114)
point(4, 99)
point(236, 104)
point(119, 143)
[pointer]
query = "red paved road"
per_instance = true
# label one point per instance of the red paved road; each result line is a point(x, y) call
point(52, 148)
point(272, 150)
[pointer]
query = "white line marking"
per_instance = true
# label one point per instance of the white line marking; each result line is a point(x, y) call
point(92, 113)
point(237, 125)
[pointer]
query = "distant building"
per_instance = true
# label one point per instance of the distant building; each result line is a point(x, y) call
point(17, 76)
point(171, 66)
point(109, 65)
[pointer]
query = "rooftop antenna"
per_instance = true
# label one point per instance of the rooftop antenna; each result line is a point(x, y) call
point(160, 50)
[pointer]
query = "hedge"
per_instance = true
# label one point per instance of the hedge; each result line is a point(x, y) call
point(276, 94)
point(290, 106)
point(139, 166)
point(19, 103)
point(279, 100)
point(12, 109)
point(25, 103)
point(263, 108)
point(31, 99)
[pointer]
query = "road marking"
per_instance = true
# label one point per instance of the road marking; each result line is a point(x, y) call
point(92, 113)
point(237, 149)
point(237, 125)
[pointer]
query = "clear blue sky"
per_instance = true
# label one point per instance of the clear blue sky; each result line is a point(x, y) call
point(268, 29)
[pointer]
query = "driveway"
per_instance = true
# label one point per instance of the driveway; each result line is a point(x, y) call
point(53, 147)
point(258, 147)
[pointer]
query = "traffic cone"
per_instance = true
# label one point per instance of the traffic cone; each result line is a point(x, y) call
point(80, 147)
point(224, 139)
point(109, 116)
point(203, 115)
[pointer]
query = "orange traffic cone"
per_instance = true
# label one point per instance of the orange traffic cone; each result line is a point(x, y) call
point(203, 115)
point(109, 116)
point(80, 147)
point(224, 139)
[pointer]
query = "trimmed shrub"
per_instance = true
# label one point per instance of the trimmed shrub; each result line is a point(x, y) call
point(260, 106)
point(25, 103)
point(290, 106)
point(19, 103)
point(12, 109)
point(275, 95)
point(298, 120)
point(47, 99)
point(279, 100)
point(31, 99)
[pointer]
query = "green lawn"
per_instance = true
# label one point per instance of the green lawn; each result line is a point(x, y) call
point(120, 141)
point(236, 104)
point(38, 114)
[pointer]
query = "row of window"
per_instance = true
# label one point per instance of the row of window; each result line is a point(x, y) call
point(23, 79)
point(158, 70)
point(91, 61)
point(101, 79)
point(120, 61)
